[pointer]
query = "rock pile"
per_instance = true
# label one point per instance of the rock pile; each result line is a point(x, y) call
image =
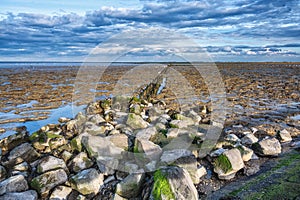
point(124, 148)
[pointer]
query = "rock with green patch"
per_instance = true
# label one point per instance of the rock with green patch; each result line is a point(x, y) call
point(57, 142)
point(173, 183)
point(87, 181)
point(24, 151)
point(284, 136)
point(130, 186)
point(136, 121)
point(50, 163)
point(76, 143)
point(13, 184)
point(49, 180)
point(267, 147)
point(27, 195)
point(135, 108)
point(60, 193)
point(228, 163)
point(66, 155)
point(80, 162)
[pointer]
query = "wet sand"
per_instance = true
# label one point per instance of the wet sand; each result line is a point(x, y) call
point(259, 94)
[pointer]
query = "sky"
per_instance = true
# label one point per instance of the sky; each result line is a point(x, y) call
point(143, 30)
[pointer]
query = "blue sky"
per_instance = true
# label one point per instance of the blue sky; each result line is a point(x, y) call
point(230, 30)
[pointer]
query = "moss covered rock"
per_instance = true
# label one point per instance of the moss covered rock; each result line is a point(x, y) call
point(173, 183)
point(228, 163)
point(45, 182)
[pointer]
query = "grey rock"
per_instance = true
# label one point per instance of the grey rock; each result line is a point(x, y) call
point(27, 195)
point(170, 156)
point(181, 123)
point(21, 167)
point(190, 164)
point(284, 136)
point(3, 173)
point(136, 121)
point(12, 141)
point(49, 180)
point(13, 184)
point(93, 129)
point(87, 181)
point(80, 162)
point(246, 152)
point(249, 139)
point(104, 151)
point(232, 138)
point(267, 147)
point(150, 150)
point(120, 140)
point(179, 187)
point(146, 134)
point(130, 186)
point(65, 155)
point(50, 163)
point(24, 151)
point(60, 193)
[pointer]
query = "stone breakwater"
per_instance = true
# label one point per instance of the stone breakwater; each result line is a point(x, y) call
point(130, 148)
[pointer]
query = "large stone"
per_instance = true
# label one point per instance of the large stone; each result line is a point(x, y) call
point(181, 123)
point(246, 152)
point(173, 183)
point(50, 163)
point(27, 195)
point(228, 163)
point(190, 164)
point(60, 193)
point(80, 162)
point(249, 139)
point(104, 151)
point(146, 134)
point(3, 173)
point(150, 150)
point(136, 121)
point(12, 141)
point(21, 167)
point(267, 147)
point(87, 181)
point(13, 184)
point(170, 156)
point(45, 182)
point(24, 151)
point(120, 140)
point(284, 136)
point(131, 186)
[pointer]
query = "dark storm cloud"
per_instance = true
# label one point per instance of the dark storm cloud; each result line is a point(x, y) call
point(73, 34)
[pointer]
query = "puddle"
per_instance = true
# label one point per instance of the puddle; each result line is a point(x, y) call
point(68, 111)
